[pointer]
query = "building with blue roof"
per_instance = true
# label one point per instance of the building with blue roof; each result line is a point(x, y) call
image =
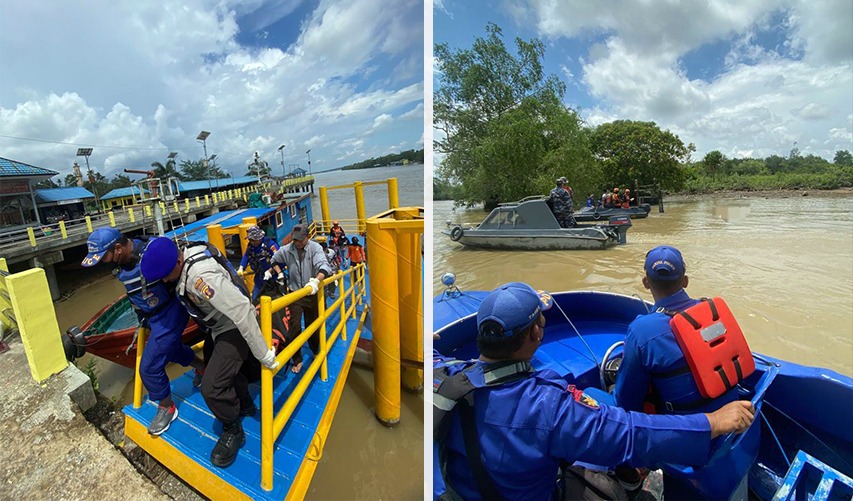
point(122, 196)
point(62, 204)
point(17, 193)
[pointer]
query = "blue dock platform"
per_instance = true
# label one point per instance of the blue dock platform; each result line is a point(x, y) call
point(185, 448)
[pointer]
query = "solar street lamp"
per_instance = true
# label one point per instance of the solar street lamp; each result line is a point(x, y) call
point(309, 161)
point(202, 138)
point(281, 150)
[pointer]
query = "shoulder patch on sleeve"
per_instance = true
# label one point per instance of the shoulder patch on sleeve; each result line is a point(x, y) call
point(582, 398)
point(203, 288)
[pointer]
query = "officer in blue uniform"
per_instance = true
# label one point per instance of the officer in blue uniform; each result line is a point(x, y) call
point(258, 255)
point(526, 427)
point(156, 307)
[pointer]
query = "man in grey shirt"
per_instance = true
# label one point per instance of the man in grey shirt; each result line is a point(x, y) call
point(307, 266)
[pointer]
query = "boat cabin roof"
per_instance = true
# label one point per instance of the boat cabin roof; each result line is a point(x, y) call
point(524, 215)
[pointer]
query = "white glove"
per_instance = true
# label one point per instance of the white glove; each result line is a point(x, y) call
point(314, 284)
point(280, 277)
point(269, 360)
point(268, 274)
point(240, 271)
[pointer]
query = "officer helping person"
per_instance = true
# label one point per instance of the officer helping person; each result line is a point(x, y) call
point(217, 299)
point(502, 430)
point(156, 308)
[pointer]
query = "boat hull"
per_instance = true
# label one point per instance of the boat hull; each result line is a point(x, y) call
point(590, 214)
point(564, 239)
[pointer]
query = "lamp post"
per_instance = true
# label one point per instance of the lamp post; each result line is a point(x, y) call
point(281, 150)
point(211, 162)
point(87, 152)
point(309, 161)
point(202, 138)
point(258, 163)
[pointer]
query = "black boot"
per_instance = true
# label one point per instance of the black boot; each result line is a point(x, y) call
point(225, 451)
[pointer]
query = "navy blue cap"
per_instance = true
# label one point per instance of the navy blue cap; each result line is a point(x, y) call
point(159, 259)
point(513, 306)
point(99, 243)
point(664, 263)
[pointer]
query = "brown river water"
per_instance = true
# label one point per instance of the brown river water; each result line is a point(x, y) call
point(784, 264)
point(362, 459)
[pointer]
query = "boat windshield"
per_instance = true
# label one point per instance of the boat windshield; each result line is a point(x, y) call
point(503, 217)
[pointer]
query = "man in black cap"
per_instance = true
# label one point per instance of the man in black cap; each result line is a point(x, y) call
point(307, 266)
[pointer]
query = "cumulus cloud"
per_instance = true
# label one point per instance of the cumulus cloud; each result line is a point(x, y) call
point(136, 80)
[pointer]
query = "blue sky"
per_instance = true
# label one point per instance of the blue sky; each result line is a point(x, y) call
point(748, 78)
point(136, 80)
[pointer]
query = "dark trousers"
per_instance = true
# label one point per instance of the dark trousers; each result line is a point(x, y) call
point(307, 307)
point(224, 387)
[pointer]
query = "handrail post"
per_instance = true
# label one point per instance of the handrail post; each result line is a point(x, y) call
point(214, 236)
point(321, 311)
point(359, 206)
point(343, 306)
point(324, 206)
point(89, 224)
point(267, 438)
point(141, 339)
point(393, 197)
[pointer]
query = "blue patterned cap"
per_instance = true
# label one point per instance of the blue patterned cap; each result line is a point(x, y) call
point(513, 306)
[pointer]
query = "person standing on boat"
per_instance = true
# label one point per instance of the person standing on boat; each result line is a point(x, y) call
point(216, 297)
point(338, 241)
point(334, 267)
point(561, 202)
point(502, 429)
point(356, 252)
point(258, 255)
point(156, 308)
point(308, 266)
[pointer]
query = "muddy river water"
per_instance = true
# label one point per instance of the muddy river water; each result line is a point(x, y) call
point(783, 264)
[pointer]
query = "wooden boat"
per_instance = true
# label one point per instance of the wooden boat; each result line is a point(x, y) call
point(801, 441)
point(600, 213)
point(529, 224)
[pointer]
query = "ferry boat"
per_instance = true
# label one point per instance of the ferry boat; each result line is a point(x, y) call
point(800, 448)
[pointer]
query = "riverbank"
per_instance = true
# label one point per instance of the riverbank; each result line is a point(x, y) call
point(677, 197)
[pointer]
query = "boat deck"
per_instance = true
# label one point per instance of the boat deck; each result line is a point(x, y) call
point(185, 448)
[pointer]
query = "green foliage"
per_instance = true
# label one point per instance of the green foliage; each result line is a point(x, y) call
point(196, 170)
point(834, 178)
point(632, 150)
point(843, 158)
point(506, 133)
point(713, 163)
point(91, 371)
point(402, 158)
point(443, 190)
point(166, 171)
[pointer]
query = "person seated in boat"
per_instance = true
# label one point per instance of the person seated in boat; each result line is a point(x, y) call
point(210, 290)
point(258, 255)
point(155, 307)
point(308, 266)
point(561, 202)
point(590, 201)
point(626, 199)
point(502, 429)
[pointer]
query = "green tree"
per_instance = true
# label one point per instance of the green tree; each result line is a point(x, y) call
point(198, 170)
point(70, 180)
point(713, 163)
point(120, 181)
point(166, 171)
point(632, 150)
point(505, 132)
point(843, 157)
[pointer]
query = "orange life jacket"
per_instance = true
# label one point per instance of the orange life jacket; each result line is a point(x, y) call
point(356, 254)
point(713, 345)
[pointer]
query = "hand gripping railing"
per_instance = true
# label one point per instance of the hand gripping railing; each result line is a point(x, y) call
point(273, 423)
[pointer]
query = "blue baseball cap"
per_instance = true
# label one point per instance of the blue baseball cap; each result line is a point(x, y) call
point(513, 306)
point(159, 259)
point(99, 243)
point(664, 263)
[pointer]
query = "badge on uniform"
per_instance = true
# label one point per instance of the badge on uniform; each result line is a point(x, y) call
point(582, 398)
point(205, 290)
point(152, 301)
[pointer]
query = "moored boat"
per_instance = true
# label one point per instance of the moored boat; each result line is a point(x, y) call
point(601, 213)
point(797, 446)
point(529, 224)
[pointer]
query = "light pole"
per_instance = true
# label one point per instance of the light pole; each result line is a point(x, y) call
point(202, 138)
point(212, 165)
point(281, 150)
point(87, 152)
point(258, 163)
point(309, 161)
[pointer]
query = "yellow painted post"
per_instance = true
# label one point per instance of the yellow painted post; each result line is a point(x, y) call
point(214, 197)
point(411, 307)
point(132, 216)
point(63, 230)
point(359, 205)
point(186, 205)
point(137, 381)
point(112, 219)
point(33, 307)
point(32, 236)
point(324, 207)
point(214, 236)
point(393, 197)
point(162, 207)
point(344, 305)
point(386, 322)
point(267, 438)
point(244, 242)
point(148, 211)
point(5, 322)
point(321, 310)
point(252, 220)
point(206, 200)
point(89, 224)
point(175, 206)
point(197, 202)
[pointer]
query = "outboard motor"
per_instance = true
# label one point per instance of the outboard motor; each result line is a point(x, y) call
point(621, 225)
point(74, 343)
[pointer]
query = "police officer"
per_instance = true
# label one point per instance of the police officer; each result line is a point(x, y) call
point(307, 266)
point(561, 202)
point(155, 306)
point(258, 255)
point(521, 424)
point(217, 299)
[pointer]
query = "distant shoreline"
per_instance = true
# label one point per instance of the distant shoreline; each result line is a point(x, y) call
point(676, 197)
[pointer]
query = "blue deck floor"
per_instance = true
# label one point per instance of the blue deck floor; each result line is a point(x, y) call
point(195, 431)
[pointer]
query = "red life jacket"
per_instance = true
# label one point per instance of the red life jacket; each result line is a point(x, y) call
point(713, 345)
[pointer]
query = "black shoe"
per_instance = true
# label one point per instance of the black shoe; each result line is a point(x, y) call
point(248, 410)
point(225, 451)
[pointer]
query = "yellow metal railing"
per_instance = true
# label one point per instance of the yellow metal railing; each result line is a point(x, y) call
point(273, 423)
point(361, 227)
